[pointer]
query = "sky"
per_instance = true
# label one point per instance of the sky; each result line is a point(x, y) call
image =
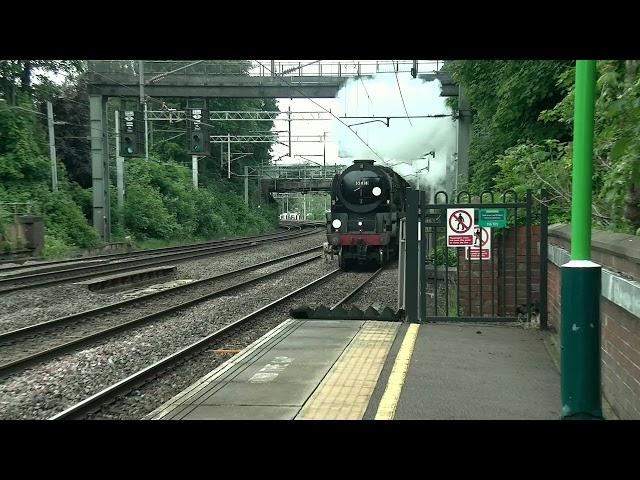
point(402, 145)
point(314, 151)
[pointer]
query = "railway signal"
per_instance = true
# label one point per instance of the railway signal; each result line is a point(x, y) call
point(197, 138)
point(131, 134)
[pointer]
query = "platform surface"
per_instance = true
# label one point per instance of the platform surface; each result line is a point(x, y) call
point(501, 373)
point(342, 369)
point(271, 379)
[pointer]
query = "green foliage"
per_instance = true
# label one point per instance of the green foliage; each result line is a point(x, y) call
point(506, 98)
point(65, 220)
point(316, 206)
point(522, 131)
point(439, 256)
point(20, 75)
point(55, 248)
point(5, 246)
point(161, 203)
point(25, 178)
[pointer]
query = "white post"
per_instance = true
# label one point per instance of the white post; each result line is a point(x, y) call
point(324, 154)
point(304, 205)
point(52, 148)
point(289, 117)
point(146, 132)
point(246, 185)
point(194, 170)
point(119, 171)
point(143, 101)
point(228, 155)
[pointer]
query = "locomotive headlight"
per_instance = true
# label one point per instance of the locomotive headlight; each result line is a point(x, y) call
point(376, 191)
point(360, 223)
point(336, 223)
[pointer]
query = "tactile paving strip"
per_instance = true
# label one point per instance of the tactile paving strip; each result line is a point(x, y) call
point(345, 391)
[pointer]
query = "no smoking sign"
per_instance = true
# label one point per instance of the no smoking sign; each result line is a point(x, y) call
point(459, 227)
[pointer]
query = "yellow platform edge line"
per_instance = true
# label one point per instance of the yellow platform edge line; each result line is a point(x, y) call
point(389, 401)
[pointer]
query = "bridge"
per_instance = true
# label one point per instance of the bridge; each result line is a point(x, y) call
point(303, 178)
point(240, 79)
point(243, 79)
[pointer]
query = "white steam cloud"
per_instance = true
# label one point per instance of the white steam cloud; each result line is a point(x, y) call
point(402, 146)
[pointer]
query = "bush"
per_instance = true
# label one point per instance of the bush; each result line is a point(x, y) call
point(55, 248)
point(64, 219)
point(438, 256)
point(145, 214)
point(162, 204)
point(25, 178)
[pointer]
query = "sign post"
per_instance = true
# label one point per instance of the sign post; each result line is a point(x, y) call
point(580, 277)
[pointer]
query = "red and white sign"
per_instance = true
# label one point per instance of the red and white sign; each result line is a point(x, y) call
point(481, 244)
point(459, 227)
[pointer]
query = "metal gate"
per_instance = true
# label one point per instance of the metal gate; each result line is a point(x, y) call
point(510, 284)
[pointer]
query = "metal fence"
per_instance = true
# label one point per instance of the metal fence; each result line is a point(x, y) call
point(507, 281)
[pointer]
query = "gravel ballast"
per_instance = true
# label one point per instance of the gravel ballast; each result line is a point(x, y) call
point(28, 307)
point(57, 335)
point(50, 387)
point(150, 396)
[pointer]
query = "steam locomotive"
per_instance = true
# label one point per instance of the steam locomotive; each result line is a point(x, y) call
point(367, 203)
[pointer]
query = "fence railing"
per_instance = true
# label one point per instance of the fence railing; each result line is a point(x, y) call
point(24, 208)
point(263, 68)
point(300, 172)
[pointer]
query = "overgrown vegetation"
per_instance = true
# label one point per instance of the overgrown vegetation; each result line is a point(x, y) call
point(522, 132)
point(25, 178)
point(161, 205)
point(316, 206)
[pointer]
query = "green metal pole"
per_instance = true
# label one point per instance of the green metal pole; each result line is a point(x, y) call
point(582, 160)
point(580, 278)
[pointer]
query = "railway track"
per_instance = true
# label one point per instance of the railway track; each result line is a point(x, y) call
point(121, 388)
point(15, 282)
point(24, 347)
point(44, 265)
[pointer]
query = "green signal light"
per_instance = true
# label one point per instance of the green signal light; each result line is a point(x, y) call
point(128, 145)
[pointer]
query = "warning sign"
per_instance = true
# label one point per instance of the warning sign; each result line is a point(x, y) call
point(481, 244)
point(459, 225)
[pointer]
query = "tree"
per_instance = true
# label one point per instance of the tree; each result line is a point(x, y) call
point(71, 110)
point(522, 133)
point(506, 98)
point(20, 75)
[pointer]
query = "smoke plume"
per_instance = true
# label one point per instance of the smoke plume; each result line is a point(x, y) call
point(404, 143)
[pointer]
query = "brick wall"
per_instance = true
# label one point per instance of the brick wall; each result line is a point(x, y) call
point(620, 332)
point(497, 290)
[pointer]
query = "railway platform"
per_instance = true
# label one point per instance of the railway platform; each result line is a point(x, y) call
point(366, 370)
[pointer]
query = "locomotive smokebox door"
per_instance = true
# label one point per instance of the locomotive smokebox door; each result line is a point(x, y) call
point(367, 201)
